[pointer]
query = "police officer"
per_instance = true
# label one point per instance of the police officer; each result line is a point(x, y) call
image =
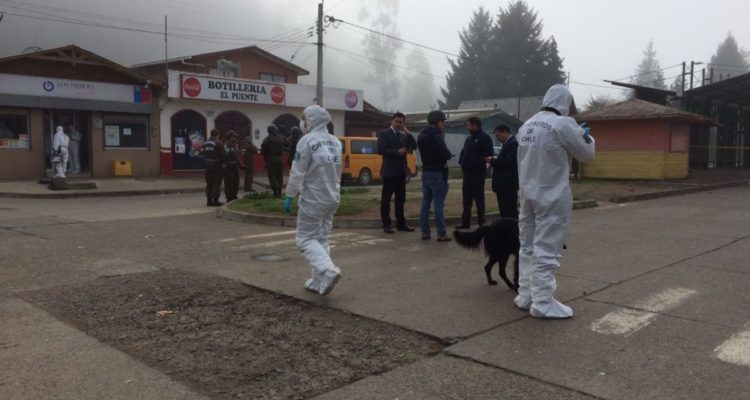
point(272, 149)
point(232, 167)
point(249, 152)
point(214, 154)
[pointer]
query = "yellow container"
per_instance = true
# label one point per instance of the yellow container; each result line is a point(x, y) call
point(122, 168)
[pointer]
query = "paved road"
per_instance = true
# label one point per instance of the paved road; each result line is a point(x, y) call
point(659, 289)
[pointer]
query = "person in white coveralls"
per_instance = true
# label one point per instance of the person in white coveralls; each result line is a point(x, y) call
point(316, 177)
point(546, 144)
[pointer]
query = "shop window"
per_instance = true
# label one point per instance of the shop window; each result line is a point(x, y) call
point(188, 135)
point(14, 128)
point(126, 131)
point(268, 77)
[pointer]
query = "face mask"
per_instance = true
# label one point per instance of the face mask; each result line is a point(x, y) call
point(302, 127)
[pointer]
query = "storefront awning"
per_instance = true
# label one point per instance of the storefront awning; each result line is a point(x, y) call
point(75, 104)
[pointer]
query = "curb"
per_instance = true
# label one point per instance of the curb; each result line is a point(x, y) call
point(62, 194)
point(99, 194)
point(677, 192)
point(343, 222)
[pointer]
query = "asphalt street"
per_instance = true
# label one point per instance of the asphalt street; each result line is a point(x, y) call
point(659, 289)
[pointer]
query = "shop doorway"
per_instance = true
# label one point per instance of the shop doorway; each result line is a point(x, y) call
point(77, 125)
point(188, 135)
point(285, 122)
point(233, 121)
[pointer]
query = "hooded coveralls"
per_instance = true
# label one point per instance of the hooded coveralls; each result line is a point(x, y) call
point(60, 142)
point(316, 176)
point(546, 142)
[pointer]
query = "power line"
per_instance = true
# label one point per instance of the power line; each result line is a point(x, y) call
point(334, 21)
point(648, 72)
point(352, 57)
point(384, 62)
point(204, 38)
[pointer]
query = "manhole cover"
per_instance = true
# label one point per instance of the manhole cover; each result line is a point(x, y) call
point(269, 257)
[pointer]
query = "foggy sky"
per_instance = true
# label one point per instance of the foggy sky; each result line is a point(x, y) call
point(597, 39)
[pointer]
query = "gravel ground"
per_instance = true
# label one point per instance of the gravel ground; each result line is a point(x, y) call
point(229, 340)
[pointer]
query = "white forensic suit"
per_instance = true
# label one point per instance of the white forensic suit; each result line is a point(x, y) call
point(316, 177)
point(60, 142)
point(546, 143)
point(74, 150)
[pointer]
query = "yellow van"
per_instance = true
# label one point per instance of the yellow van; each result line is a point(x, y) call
point(362, 162)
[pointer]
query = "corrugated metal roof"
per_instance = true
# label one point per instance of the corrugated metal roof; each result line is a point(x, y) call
point(522, 108)
point(639, 109)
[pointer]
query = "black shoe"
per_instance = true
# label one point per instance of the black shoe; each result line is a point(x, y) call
point(209, 203)
point(463, 226)
point(217, 204)
point(388, 229)
point(405, 228)
point(425, 236)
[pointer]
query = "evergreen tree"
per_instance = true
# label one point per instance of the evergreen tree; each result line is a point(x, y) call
point(649, 71)
point(510, 59)
point(598, 102)
point(379, 47)
point(419, 85)
point(464, 77)
point(728, 60)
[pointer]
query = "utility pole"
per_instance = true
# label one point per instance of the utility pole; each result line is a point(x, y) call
point(692, 67)
point(683, 78)
point(166, 53)
point(319, 85)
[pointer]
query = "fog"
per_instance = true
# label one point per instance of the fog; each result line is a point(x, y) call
point(597, 39)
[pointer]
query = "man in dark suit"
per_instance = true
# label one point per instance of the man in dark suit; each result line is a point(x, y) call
point(505, 173)
point(394, 144)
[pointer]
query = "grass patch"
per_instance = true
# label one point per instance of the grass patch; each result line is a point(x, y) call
point(352, 203)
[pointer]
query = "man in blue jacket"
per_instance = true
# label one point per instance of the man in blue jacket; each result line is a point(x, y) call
point(394, 144)
point(505, 173)
point(477, 147)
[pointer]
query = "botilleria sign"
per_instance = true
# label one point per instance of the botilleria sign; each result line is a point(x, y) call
point(239, 91)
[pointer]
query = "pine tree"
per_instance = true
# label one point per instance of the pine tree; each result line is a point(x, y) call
point(649, 72)
point(728, 60)
point(419, 85)
point(464, 76)
point(515, 61)
point(379, 47)
point(525, 63)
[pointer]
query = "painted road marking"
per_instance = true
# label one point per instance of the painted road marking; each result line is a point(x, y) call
point(263, 235)
point(256, 236)
point(736, 350)
point(353, 238)
point(628, 321)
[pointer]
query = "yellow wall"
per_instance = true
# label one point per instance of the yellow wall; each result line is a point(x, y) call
point(636, 165)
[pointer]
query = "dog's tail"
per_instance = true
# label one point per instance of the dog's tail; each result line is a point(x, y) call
point(471, 240)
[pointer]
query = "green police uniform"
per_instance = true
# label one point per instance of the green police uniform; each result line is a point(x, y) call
point(272, 149)
point(249, 154)
point(214, 155)
point(232, 172)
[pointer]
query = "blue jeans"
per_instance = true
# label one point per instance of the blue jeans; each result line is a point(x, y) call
point(434, 190)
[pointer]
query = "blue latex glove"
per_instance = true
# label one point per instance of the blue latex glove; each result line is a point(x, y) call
point(586, 132)
point(288, 204)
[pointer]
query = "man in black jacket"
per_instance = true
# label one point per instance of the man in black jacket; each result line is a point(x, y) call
point(505, 173)
point(477, 147)
point(394, 144)
point(435, 156)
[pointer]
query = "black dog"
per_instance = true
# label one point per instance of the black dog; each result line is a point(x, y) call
point(500, 241)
